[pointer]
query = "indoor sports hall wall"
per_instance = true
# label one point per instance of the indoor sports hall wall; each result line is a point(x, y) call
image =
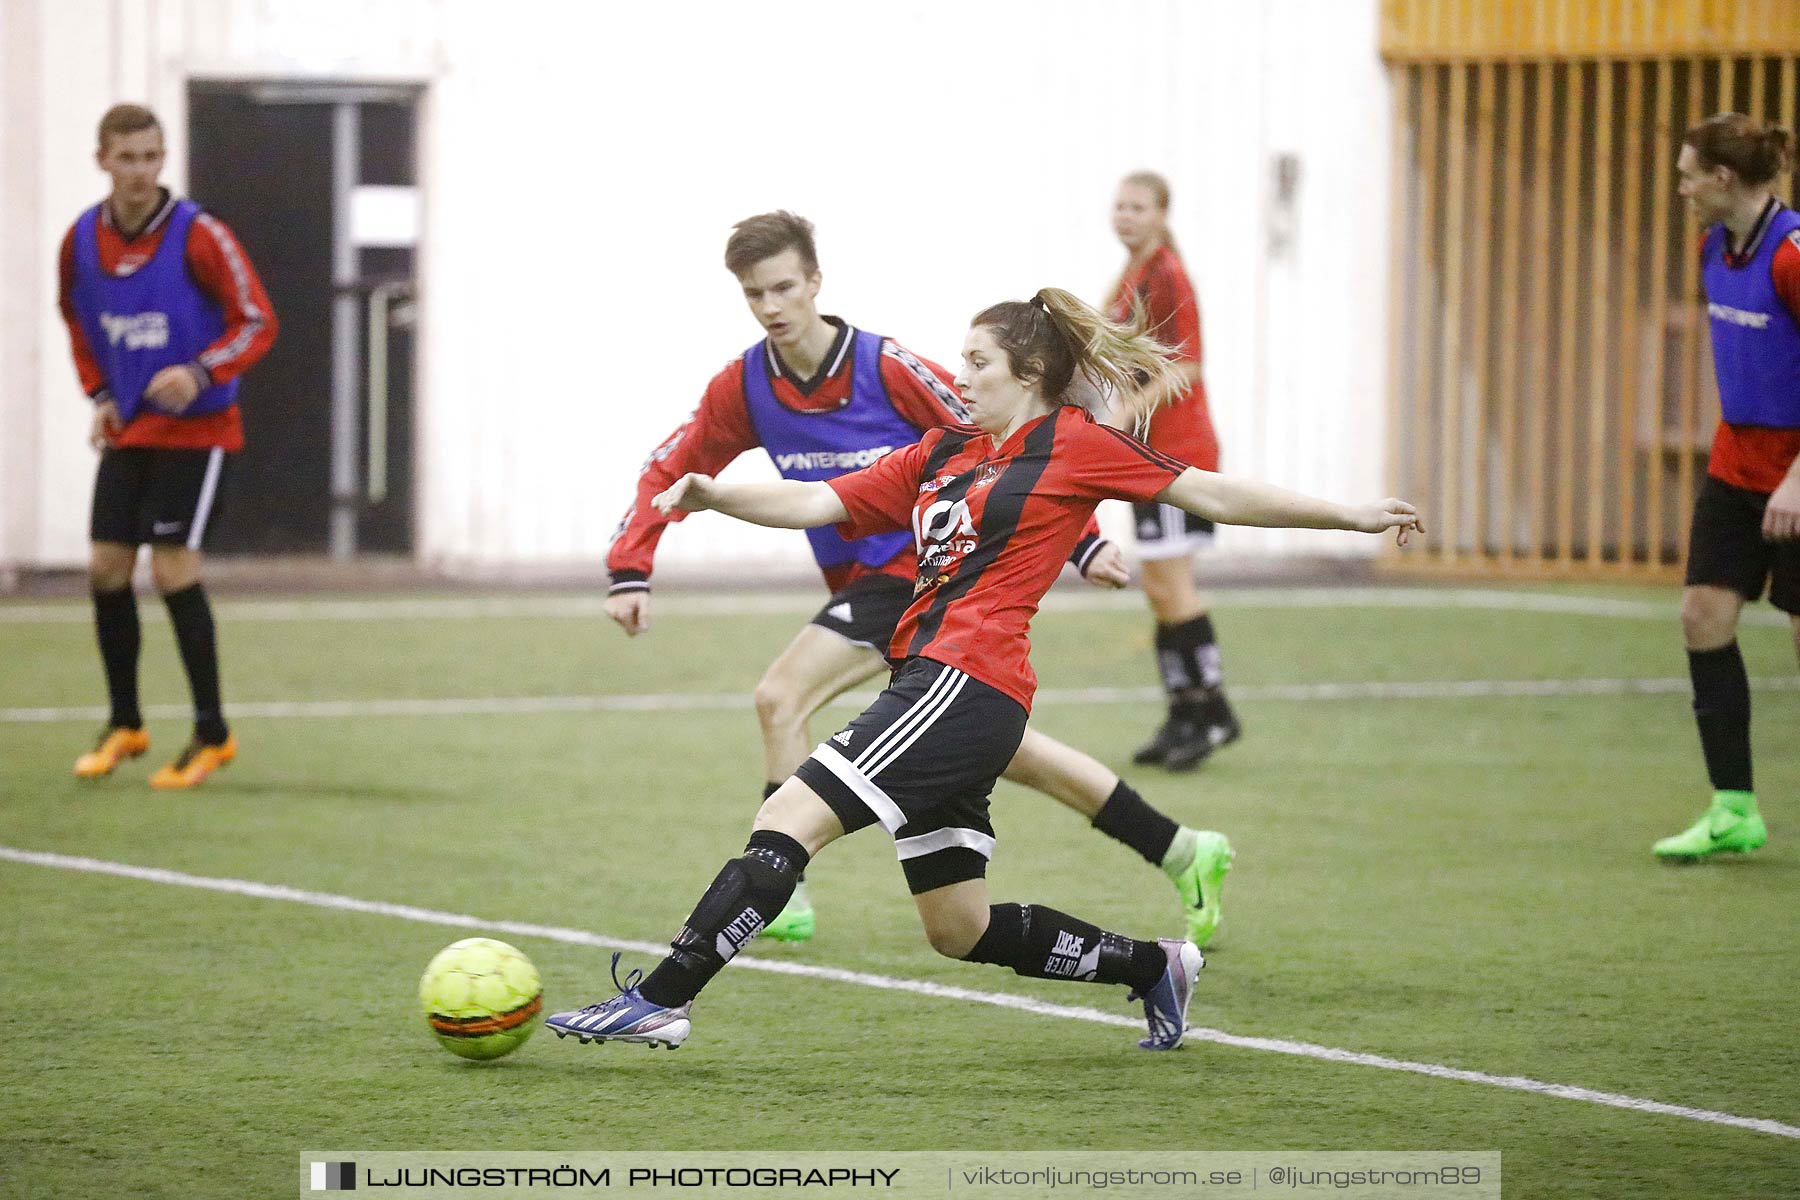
point(582, 165)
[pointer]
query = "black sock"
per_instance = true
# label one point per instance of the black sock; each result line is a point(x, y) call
point(1187, 654)
point(193, 620)
point(744, 897)
point(1127, 817)
point(116, 625)
point(1722, 710)
point(1041, 943)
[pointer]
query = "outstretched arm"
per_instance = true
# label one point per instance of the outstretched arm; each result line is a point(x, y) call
point(784, 504)
point(1245, 502)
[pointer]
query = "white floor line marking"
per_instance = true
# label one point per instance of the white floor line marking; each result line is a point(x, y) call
point(581, 937)
point(802, 602)
point(1447, 689)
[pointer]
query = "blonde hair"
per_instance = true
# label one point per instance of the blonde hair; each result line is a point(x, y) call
point(1158, 187)
point(1074, 355)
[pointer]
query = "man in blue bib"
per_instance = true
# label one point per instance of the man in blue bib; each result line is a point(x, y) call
point(164, 314)
point(1746, 530)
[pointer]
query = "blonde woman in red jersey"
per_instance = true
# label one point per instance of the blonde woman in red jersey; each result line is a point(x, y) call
point(1187, 653)
point(994, 507)
point(815, 376)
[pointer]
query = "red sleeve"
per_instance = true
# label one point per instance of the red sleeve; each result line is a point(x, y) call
point(223, 271)
point(93, 382)
point(879, 498)
point(707, 442)
point(923, 393)
point(1174, 311)
point(1784, 271)
point(1103, 463)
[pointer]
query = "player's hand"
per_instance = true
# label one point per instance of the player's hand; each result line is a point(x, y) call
point(1388, 514)
point(106, 426)
point(1107, 568)
point(631, 610)
point(172, 389)
point(1781, 520)
point(691, 493)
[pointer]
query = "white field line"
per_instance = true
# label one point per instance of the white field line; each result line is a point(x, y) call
point(581, 937)
point(1449, 689)
point(801, 603)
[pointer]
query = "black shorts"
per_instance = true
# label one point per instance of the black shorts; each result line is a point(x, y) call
point(164, 497)
point(922, 760)
point(1726, 547)
point(1165, 531)
point(867, 610)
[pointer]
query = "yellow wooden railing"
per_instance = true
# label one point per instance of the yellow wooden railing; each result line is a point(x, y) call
point(1492, 30)
point(1552, 397)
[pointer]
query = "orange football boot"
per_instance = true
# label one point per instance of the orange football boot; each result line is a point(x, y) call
point(115, 744)
point(196, 762)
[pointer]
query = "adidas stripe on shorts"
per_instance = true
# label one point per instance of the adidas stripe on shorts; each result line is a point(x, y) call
point(1165, 531)
point(867, 610)
point(922, 761)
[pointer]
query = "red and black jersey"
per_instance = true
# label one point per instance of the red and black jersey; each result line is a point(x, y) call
point(992, 526)
point(1184, 426)
point(1757, 457)
point(721, 429)
point(219, 268)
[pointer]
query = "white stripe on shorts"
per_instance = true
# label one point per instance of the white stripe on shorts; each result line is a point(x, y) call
point(944, 839)
point(899, 737)
point(209, 488)
point(879, 802)
point(899, 726)
point(1176, 540)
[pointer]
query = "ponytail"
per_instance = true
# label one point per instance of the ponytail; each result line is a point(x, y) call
point(1075, 355)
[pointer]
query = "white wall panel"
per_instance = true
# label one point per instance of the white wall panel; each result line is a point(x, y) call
point(583, 164)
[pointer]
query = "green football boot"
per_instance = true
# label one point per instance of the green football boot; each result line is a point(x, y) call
point(1730, 825)
point(1201, 882)
point(795, 922)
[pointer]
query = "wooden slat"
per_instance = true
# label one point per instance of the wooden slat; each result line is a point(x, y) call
point(1789, 119)
point(1569, 304)
point(1537, 395)
point(1449, 387)
point(1630, 332)
point(1481, 278)
point(1401, 373)
point(1694, 328)
point(1511, 316)
point(1601, 310)
point(1662, 186)
point(1424, 401)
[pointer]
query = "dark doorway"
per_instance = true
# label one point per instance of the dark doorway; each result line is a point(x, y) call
point(269, 159)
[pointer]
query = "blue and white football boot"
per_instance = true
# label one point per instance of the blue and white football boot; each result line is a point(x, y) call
point(1166, 1003)
point(627, 1017)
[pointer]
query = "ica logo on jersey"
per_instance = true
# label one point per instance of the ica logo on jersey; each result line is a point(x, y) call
point(139, 331)
point(943, 531)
